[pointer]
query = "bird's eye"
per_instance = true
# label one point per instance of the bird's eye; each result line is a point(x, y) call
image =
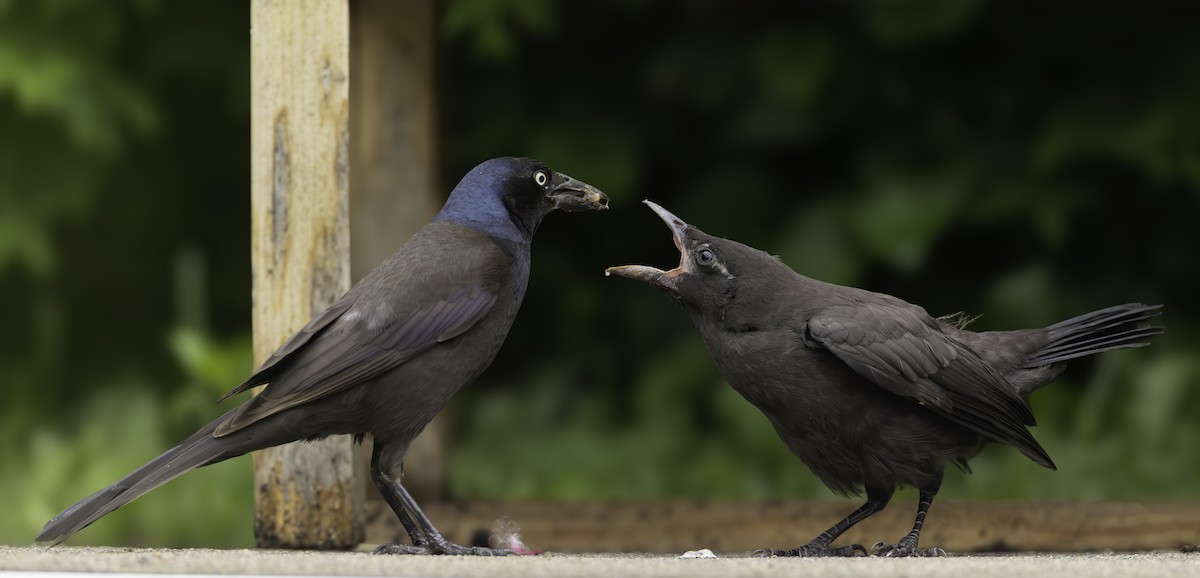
point(541, 178)
point(705, 257)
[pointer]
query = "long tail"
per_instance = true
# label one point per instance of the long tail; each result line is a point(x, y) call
point(1106, 329)
point(198, 450)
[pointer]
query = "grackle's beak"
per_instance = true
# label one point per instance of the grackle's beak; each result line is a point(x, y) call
point(654, 276)
point(572, 196)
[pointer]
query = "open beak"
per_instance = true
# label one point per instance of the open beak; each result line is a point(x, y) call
point(572, 196)
point(651, 275)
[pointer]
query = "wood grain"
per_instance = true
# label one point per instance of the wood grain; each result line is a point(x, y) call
point(305, 494)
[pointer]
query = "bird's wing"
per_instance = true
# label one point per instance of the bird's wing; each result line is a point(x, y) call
point(901, 348)
point(301, 338)
point(368, 333)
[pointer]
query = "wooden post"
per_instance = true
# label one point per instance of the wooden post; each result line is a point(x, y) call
point(305, 493)
point(393, 157)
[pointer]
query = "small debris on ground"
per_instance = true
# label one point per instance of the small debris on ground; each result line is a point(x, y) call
point(705, 553)
point(507, 534)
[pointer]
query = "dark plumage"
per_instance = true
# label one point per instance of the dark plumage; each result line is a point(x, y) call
point(390, 353)
point(871, 392)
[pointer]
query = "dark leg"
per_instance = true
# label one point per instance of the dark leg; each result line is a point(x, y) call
point(426, 539)
point(907, 546)
point(420, 542)
point(876, 501)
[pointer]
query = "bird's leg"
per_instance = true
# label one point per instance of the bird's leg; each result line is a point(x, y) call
point(426, 539)
point(819, 546)
point(420, 542)
point(383, 483)
point(436, 543)
point(907, 546)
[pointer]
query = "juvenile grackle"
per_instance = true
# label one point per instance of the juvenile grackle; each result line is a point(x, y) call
point(869, 391)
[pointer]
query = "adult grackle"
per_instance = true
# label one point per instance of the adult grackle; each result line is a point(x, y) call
point(391, 352)
point(869, 391)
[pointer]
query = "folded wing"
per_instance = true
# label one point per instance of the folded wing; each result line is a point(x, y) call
point(901, 348)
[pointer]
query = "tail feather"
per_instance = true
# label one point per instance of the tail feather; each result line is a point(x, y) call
point(1116, 327)
point(198, 450)
point(1083, 347)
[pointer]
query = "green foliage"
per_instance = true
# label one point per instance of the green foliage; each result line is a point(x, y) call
point(62, 104)
point(1024, 163)
point(488, 23)
point(122, 428)
point(107, 186)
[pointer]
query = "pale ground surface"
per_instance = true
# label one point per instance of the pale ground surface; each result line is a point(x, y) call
point(276, 562)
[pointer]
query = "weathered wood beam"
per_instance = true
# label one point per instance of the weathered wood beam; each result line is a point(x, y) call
point(305, 493)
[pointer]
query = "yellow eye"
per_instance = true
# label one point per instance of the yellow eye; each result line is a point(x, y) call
point(541, 178)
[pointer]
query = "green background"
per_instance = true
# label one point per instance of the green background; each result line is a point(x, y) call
point(1027, 162)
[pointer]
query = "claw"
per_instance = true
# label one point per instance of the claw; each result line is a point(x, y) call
point(401, 550)
point(814, 551)
point(903, 550)
point(446, 549)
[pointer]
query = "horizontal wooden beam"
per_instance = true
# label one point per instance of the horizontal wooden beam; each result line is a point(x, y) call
point(678, 526)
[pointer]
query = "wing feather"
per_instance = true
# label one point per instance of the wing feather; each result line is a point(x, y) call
point(901, 348)
point(407, 305)
point(330, 365)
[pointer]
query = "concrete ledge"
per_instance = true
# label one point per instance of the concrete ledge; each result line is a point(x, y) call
point(309, 563)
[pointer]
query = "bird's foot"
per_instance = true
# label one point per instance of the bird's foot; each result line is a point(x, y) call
point(905, 549)
point(442, 549)
point(815, 550)
point(401, 550)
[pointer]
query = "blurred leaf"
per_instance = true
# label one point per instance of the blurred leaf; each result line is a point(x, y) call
point(1141, 139)
point(1162, 385)
point(793, 68)
point(903, 213)
point(122, 429)
point(1024, 298)
point(219, 366)
point(21, 241)
point(906, 22)
point(491, 25)
point(819, 245)
point(63, 78)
